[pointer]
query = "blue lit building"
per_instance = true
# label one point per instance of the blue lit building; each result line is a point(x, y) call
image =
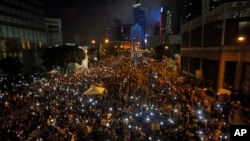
point(139, 21)
point(136, 31)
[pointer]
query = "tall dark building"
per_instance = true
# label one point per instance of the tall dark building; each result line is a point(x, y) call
point(139, 18)
point(116, 28)
point(215, 47)
point(208, 5)
point(126, 32)
point(195, 8)
point(192, 9)
point(171, 16)
point(22, 29)
point(165, 22)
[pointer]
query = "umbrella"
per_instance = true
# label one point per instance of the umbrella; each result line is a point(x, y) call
point(94, 90)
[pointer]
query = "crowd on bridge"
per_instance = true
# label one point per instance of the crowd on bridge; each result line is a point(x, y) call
point(144, 100)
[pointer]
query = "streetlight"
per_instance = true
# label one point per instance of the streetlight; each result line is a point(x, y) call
point(118, 49)
point(171, 51)
point(241, 39)
point(170, 60)
point(106, 41)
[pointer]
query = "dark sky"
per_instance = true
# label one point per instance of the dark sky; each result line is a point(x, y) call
point(87, 18)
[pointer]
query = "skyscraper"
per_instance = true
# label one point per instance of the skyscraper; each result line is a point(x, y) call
point(208, 5)
point(22, 28)
point(165, 21)
point(171, 13)
point(116, 29)
point(211, 47)
point(195, 8)
point(139, 18)
point(192, 9)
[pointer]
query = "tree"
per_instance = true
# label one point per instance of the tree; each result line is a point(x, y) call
point(11, 65)
point(159, 52)
point(62, 56)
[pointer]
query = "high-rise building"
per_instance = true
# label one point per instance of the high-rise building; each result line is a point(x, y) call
point(54, 31)
point(116, 29)
point(192, 9)
point(171, 16)
point(22, 29)
point(170, 25)
point(208, 5)
point(126, 32)
point(165, 21)
point(139, 19)
point(195, 8)
point(215, 47)
point(136, 31)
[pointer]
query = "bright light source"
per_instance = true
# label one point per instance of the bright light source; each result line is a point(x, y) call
point(241, 38)
point(106, 40)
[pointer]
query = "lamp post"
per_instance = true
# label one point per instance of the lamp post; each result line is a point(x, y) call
point(171, 51)
point(170, 60)
point(241, 39)
point(100, 48)
point(106, 41)
point(118, 49)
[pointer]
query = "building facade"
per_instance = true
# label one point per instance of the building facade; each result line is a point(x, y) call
point(53, 31)
point(210, 46)
point(22, 29)
point(208, 5)
point(195, 8)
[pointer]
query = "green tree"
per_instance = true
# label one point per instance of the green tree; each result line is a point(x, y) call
point(11, 65)
point(160, 51)
point(62, 56)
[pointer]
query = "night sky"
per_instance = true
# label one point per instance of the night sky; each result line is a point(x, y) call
point(87, 18)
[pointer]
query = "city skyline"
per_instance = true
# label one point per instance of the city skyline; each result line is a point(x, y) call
point(87, 19)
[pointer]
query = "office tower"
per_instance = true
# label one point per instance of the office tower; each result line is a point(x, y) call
point(22, 29)
point(116, 30)
point(165, 21)
point(171, 16)
point(126, 32)
point(192, 9)
point(139, 21)
point(216, 45)
point(54, 31)
point(208, 5)
point(195, 8)
point(136, 38)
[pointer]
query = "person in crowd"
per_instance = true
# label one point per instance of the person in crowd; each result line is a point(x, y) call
point(143, 101)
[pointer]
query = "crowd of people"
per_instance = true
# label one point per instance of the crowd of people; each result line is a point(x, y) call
point(143, 101)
